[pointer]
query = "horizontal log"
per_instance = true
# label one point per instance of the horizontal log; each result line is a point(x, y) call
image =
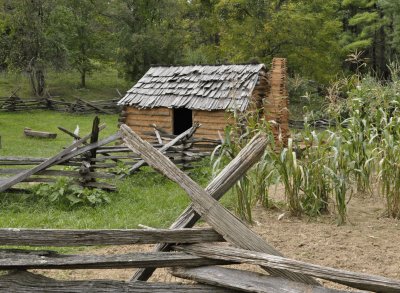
point(39, 180)
point(142, 126)
point(106, 158)
point(209, 131)
point(28, 259)
point(156, 111)
point(62, 238)
point(246, 281)
point(41, 134)
point(211, 135)
point(149, 118)
point(23, 159)
point(212, 127)
point(214, 123)
point(222, 114)
point(95, 106)
point(356, 280)
point(74, 174)
point(26, 282)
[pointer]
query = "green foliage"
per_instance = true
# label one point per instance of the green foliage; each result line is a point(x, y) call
point(392, 14)
point(366, 30)
point(120, 169)
point(254, 186)
point(64, 193)
point(320, 170)
point(150, 33)
point(292, 175)
point(316, 158)
point(144, 198)
point(315, 35)
point(86, 34)
point(370, 137)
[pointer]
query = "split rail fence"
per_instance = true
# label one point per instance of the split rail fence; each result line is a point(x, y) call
point(191, 253)
point(14, 103)
point(95, 163)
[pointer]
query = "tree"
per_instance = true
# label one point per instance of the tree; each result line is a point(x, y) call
point(365, 30)
point(305, 32)
point(391, 11)
point(87, 34)
point(203, 34)
point(4, 33)
point(150, 33)
point(28, 45)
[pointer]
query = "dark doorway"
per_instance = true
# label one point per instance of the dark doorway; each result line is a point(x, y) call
point(182, 120)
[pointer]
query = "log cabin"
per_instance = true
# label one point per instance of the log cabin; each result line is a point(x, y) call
point(174, 97)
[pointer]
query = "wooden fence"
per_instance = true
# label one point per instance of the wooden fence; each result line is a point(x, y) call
point(190, 253)
point(318, 123)
point(95, 163)
point(14, 103)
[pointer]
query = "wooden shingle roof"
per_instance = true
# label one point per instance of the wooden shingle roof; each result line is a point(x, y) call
point(197, 87)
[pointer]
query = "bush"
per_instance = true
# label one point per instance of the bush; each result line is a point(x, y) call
point(64, 193)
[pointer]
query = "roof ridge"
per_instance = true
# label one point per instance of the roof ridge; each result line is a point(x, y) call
point(218, 64)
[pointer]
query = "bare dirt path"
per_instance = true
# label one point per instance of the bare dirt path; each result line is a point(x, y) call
point(370, 243)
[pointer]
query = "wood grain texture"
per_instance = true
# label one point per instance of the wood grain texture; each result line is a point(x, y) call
point(96, 107)
point(25, 259)
point(246, 281)
point(89, 147)
point(223, 221)
point(41, 134)
point(44, 165)
point(63, 238)
point(246, 158)
point(148, 119)
point(154, 111)
point(186, 134)
point(356, 280)
point(25, 282)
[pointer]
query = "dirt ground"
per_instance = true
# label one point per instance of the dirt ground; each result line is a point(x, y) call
point(369, 243)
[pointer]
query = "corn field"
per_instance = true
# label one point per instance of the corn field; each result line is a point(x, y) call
point(322, 169)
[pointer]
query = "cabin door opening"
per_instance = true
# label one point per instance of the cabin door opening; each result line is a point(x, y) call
point(182, 120)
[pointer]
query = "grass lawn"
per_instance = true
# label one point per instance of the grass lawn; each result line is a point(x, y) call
point(145, 198)
point(99, 85)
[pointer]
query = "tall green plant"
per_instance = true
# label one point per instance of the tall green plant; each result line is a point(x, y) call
point(390, 166)
point(253, 186)
point(339, 169)
point(317, 184)
point(291, 173)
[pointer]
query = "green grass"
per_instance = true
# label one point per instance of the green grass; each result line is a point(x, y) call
point(99, 85)
point(144, 198)
point(15, 143)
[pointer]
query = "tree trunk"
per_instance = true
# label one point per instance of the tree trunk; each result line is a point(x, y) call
point(83, 78)
point(37, 78)
point(40, 81)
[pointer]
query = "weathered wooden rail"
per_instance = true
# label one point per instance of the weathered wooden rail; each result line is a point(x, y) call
point(190, 253)
point(14, 103)
point(95, 163)
point(61, 238)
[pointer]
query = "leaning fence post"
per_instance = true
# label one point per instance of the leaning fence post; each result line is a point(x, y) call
point(224, 222)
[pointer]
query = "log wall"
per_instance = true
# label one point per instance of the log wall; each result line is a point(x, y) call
point(211, 122)
point(140, 120)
